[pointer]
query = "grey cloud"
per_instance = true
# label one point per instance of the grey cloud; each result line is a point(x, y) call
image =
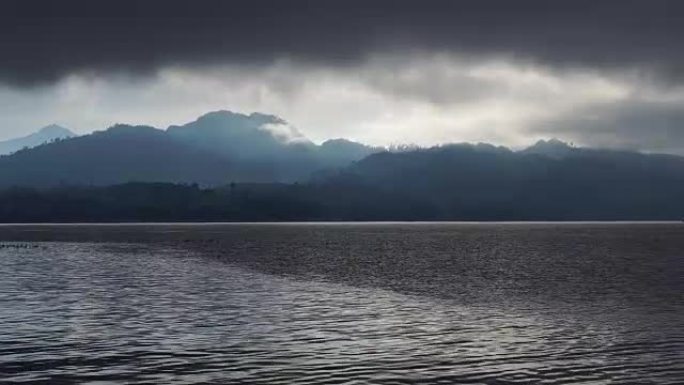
point(633, 124)
point(41, 41)
point(439, 81)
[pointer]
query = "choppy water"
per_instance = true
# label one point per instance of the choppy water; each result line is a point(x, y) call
point(384, 304)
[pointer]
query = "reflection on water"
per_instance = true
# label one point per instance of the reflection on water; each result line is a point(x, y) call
point(348, 304)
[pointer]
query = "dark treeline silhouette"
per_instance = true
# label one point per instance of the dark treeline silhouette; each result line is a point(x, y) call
point(180, 202)
point(456, 182)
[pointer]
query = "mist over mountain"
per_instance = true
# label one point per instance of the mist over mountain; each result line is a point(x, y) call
point(44, 135)
point(218, 148)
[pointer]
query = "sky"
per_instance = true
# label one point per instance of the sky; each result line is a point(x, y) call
point(596, 73)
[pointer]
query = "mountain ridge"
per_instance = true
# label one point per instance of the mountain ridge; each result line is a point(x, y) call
point(269, 176)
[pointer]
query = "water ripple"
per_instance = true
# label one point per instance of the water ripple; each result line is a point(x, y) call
point(159, 313)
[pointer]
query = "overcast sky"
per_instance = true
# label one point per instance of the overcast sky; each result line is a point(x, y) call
point(598, 73)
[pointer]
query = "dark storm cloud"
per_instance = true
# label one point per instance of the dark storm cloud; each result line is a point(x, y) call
point(41, 41)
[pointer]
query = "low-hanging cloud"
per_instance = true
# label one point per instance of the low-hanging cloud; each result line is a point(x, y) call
point(634, 124)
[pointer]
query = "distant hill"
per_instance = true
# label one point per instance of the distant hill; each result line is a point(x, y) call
point(467, 182)
point(44, 135)
point(218, 148)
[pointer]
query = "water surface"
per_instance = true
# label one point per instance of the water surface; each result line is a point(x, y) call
point(345, 303)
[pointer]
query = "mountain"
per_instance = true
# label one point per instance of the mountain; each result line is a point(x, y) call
point(217, 148)
point(119, 154)
point(278, 150)
point(44, 135)
point(268, 140)
point(453, 182)
point(465, 182)
point(262, 156)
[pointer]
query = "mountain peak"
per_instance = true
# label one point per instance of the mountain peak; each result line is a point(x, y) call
point(44, 135)
point(240, 131)
point(56, 131)
point(255, 118)
point(553, 147)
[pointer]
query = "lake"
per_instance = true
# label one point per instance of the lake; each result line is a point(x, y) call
point(381, 303)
